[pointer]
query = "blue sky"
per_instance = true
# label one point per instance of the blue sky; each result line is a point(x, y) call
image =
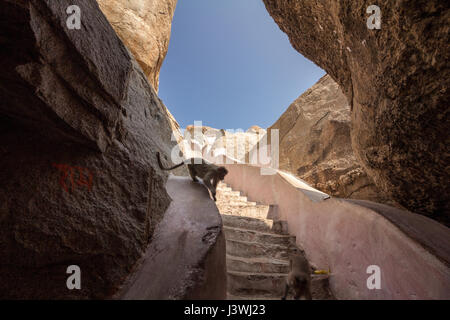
point(230, 66)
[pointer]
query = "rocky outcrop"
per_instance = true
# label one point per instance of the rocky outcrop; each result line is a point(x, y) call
point(80, 124)
point(144, 26)
point(396, 80)
point(211, 142)
point(315, 144)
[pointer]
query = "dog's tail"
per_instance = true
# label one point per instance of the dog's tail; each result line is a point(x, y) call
point(158, 156)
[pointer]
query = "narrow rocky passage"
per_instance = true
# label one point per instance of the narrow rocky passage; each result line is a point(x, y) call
point(257, 250)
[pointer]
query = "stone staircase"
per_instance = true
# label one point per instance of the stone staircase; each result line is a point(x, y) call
point(257, 250)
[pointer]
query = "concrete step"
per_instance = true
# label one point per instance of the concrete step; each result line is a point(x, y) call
point(262, 264)
point(224, 188)
point(265, 225)
point(247, 284)
point(249, 211)
point(229, 194)
point(252, 297)
point(261, 237)
point(234, 202)
point(256, 250)
point(320, 287)
point(225, 198)
point(251, 283)
point(246, 222)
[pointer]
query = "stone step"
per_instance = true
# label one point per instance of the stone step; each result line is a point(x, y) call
point(221, 198)
point(262, 264)
point(252, 283)
point(246, 222)
point(266, 225)
point(228, 193)
point(225, 198)
point(234, 203)
point(247, 284)
point(261, 237)
point(252, 297)
point(249, 211)
point(320, 287)
point(256, 250)
point(224, 188)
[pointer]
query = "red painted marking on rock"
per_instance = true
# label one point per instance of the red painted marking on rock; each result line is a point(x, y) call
point(85, 177)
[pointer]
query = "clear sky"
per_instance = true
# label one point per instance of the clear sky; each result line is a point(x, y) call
point(230, 66)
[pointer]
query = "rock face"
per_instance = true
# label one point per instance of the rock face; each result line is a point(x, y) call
point(79, 125)
point(315, 143)
point(144, 26)
point(396, 80)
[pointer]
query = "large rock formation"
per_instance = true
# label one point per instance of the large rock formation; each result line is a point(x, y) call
point(79, 125)
point(396, 80)
point(315, 143)
point(144, 26)
point(210, 142)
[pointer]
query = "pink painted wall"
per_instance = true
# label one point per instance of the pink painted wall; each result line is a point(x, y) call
point(347, 238)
